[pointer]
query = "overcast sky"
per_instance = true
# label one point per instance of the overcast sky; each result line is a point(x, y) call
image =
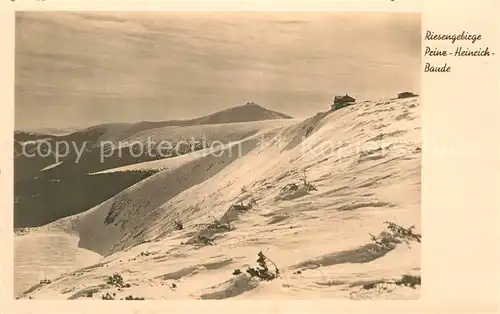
point(76, 70)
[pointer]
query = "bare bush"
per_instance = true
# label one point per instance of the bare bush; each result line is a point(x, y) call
point(108, 296)
point(130, 297)
point(395, 234)
point(117, 281)
point(295, 190)
point(405, 233)
point(262, 271)
point(205, 240)
point(307, 184)
point(216, 224)
point(178, 225)
point(409, 281)
point(242, 207)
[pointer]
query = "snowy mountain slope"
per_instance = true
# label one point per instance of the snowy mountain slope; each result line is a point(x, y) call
point(364, 161)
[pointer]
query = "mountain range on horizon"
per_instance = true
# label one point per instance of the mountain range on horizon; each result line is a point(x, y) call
point(248, 112)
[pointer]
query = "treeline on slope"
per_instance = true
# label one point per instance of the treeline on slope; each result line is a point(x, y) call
point(45, 199)
point(26, 167)
point(29, 161)
point(23, 136)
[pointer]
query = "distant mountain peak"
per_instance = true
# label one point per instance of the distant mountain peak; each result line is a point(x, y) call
point(250, 111)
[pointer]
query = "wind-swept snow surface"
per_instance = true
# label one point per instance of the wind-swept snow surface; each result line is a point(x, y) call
point(364, 162)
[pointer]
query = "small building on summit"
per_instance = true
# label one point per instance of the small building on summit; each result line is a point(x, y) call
point(406, 95)
point(342, 101)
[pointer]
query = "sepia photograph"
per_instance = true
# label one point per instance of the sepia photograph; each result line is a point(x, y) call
point(217, 155)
